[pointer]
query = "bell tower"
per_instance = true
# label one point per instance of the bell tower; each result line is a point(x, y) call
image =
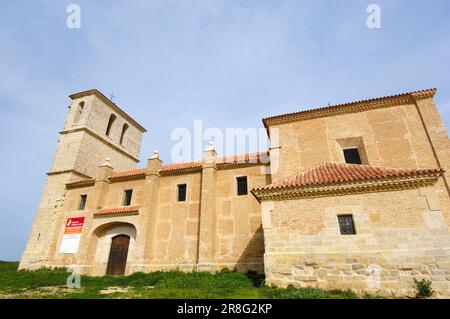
point(95, 129)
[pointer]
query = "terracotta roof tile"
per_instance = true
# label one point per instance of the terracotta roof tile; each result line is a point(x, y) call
point(247, 158)
point(181, 166)
point(335, 173)
point(118, 210)
point(222, 162)
point(131, 173)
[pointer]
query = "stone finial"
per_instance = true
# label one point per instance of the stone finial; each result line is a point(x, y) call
point(105, 171)
point(155, 155)
point(154, 163)
point(209, 154)
point(209, 147)
point(107, 162)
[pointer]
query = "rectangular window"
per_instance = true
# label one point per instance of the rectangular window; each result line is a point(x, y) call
point(352, 156)
point(346, 225)
point(182, 192)
point(127, 197)
point(82, 205)
point(242, 185)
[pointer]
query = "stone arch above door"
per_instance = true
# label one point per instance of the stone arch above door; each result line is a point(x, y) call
point(100, 245)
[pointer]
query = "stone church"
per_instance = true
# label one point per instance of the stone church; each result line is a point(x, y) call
point(348, 196)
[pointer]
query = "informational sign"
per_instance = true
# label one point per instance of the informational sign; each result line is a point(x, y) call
point(72, 235)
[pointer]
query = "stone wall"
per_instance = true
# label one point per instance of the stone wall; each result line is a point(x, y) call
point(392, 137)
point(403, 234)
point(36, 254)
point(177, 223)
point(411, 135)
point(173, 243)
point(239, 238)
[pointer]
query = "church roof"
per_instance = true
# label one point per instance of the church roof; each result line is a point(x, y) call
point(221, 162)
point(351, 107)
point(185, 167)
point(335, 176)
point(130, 173)
point(177, 168)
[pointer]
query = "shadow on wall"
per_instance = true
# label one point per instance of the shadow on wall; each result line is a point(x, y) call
point(252, 258)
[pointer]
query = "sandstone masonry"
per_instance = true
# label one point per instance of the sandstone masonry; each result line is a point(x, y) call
point(288, 225)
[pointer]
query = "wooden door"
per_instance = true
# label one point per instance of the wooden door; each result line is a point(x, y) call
point(117, 261)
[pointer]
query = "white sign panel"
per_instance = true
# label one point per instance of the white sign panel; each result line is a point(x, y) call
point(72, 235)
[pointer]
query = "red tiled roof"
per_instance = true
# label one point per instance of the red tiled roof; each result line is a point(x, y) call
point(335, 173)
point(222, 162)
point(131, 173)
point(170, 168)
point(247, 158)
point(349, 107)
point(118, 210)
point(181, 166)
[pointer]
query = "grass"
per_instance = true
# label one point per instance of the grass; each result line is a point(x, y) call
point(46, 283)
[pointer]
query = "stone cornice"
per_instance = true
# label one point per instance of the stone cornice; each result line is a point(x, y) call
point(94, 134)
point(68, 171)
point(341, 189)
point(183, 171)
point(352, 107)
point(81, 183)
point(239, 165)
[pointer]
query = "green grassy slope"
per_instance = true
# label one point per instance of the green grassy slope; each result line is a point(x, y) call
point(46, 283)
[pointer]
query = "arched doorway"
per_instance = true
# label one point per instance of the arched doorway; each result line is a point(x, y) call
point(117, 261)
point(112, 247)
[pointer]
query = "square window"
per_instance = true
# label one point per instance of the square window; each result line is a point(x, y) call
point(182, 192)
point(127, 197)
point(242, 185)
point(346, 225)
point(82, 205)
point(352, 156)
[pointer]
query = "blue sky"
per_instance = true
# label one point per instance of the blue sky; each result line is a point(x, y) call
point(169, 62)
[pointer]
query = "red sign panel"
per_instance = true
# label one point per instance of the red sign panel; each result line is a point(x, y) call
point(74, 225)
point(75, 222)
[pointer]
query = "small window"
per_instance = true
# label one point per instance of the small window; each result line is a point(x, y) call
point(346, 225)
point(112, 118)
point(182, 192)
point(242, 185)
point(124, 129)
point(82, 205)
point(352, 156)
point(127, 197)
